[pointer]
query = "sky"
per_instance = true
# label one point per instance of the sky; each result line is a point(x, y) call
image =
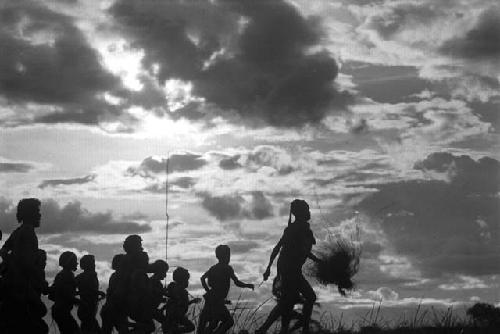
point(382, 115)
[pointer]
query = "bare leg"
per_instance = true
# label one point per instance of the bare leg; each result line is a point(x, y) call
point(271, 318)
point(309, 298)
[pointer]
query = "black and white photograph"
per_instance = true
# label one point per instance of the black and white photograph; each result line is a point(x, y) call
point(249, 166)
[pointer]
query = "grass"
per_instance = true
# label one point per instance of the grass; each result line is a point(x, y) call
point(421, 321)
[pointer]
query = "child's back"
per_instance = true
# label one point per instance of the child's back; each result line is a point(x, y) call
point(178, 299)
point(178, 303)
point(219, 279)
point(111, 314)
point(88, 289)
point(64, 290)
point(64, 294)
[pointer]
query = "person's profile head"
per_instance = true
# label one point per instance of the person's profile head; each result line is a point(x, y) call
point(181, 276)
point(28, 211)
point(223, 253)
point(68, 261)
point(132, 244)
point(87, 262)
point(117, 261)
point(159, 268)
point(300, 209)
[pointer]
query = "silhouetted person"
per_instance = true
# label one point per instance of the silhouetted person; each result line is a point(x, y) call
point(178, 304)
point(21, 307)
point(114, 316)
point(63, 293)
point(159, 269)
point(133, 288)
point(87, 284)
point(215, 312)
point(294, 248)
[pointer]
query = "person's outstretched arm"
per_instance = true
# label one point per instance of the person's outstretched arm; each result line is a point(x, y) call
point(274, 253)
point(239, 283)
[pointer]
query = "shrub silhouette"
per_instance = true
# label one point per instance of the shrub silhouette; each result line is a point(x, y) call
point(484, 315)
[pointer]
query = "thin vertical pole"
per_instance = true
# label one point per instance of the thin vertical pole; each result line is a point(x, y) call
point(166, 207)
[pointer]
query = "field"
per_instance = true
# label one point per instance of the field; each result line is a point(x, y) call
point(481, 318)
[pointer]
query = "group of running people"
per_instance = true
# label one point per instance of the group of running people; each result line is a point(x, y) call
point(136, 298)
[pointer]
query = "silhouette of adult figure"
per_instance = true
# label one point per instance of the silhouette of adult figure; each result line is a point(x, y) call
point(20, 311)
point(293, 248)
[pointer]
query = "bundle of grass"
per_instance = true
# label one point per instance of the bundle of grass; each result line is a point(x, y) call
point(337, 263)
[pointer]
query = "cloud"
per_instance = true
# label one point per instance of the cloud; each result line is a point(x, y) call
point(177, 163)
point(15, 167)
point(223, 207)
point(183, 183)
point(481, 176)
point(261, 156)
point(261, 207)
point(71, 217)
point(384, 294)
point(47, 60)
point(252, 61)
point(77, 180)
point(242, 246)
point(482, 42)
point(230, 207)
point(386, 84)
point(230, 163)
point(444, 227)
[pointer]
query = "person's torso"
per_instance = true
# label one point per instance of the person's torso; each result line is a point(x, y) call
point(219, 279)
point(64, 288)
point(88, 287)
point(297, 244)
point(178, 299)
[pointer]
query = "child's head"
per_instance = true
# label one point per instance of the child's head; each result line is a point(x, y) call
point(68, 260)
point(28, 211)
point(223, 253)
point(132, 244)
point(300, 209)
point(181, 276)
point(159, 268)
point(117, 261)
point(87, 263)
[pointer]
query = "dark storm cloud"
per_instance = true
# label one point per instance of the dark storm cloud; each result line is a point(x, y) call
point(481, 42)
point(57, 182)
point(481, 176)
point(70, 218)
point(45, 59)
point(177, 163)
point(444, 227)
point(15, 167)
point(250, 59)
point(228, 207)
